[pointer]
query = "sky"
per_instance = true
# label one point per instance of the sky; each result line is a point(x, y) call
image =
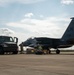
point(35, 18)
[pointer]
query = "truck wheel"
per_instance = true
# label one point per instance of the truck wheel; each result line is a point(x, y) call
point(1, 51)
point(15, 52)
point(49, 51)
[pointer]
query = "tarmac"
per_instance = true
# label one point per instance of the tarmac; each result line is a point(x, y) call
point(31, 64)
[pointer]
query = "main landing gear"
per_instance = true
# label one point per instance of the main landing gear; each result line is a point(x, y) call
point(57, 51)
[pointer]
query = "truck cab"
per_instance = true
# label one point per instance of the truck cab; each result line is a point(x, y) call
point(8, 44)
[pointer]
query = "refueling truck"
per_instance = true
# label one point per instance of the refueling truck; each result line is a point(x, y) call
point(8, 44)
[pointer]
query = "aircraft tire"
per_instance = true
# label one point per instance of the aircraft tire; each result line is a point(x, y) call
point(57, 51)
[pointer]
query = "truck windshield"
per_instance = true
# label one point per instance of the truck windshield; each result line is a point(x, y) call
point(6, 39)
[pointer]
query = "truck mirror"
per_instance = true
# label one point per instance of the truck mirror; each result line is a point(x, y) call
point(16, 39)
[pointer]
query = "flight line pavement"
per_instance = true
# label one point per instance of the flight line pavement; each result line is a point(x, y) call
point(31, 64)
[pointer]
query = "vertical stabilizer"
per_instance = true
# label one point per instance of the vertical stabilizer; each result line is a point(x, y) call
point(69, 33)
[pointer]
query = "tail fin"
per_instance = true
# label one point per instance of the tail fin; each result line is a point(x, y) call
point(69, 33)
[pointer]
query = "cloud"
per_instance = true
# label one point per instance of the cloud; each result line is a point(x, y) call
point(5, 2)
point(29, 15)
point(67, 2)
point(41, 16)
point(47, 27)
point(53, 27)
point(6, 31)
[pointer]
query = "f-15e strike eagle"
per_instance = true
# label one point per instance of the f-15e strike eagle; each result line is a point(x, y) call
point(66, 41)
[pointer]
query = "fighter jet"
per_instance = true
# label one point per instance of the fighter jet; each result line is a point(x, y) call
point(66, 41)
